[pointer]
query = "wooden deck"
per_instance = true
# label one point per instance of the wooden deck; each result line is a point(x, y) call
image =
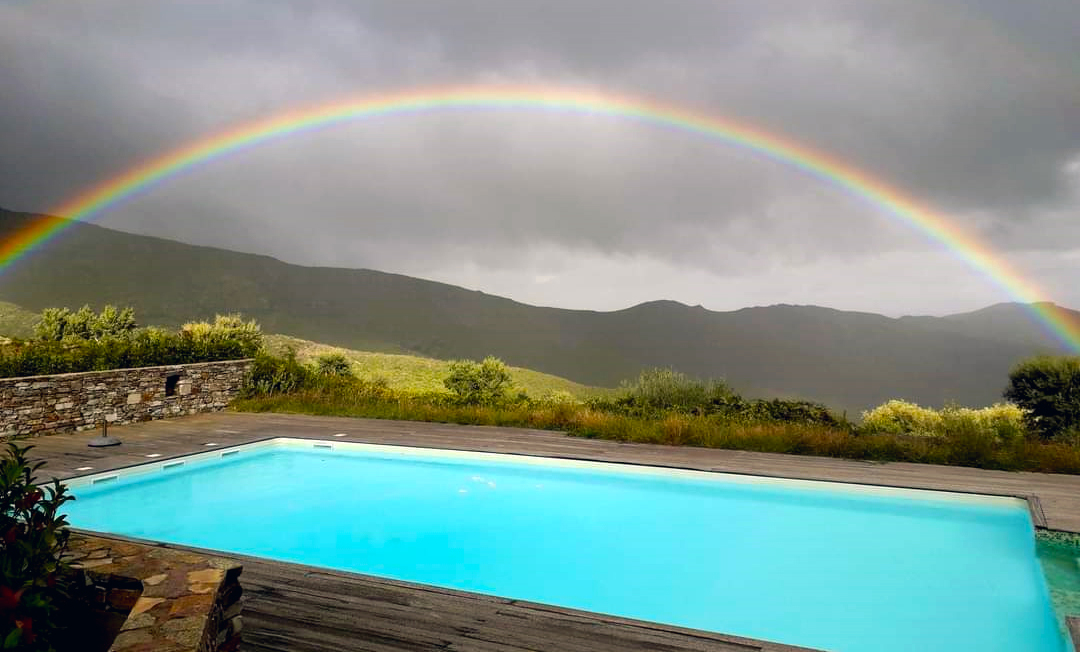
point(292, 607)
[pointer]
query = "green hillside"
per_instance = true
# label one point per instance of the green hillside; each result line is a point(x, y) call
point(15, 321)
point(417, 374)
point(848, 360)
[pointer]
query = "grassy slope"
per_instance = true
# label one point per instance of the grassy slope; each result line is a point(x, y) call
point(417, 374)
point(16, 321)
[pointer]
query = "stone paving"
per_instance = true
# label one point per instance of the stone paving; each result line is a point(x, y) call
point(176, 601)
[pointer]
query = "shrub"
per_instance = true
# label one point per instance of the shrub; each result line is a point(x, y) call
point(1049, 389)
point(483, 383)
point(557, 398)
point(226, 329)
point(333, 364)
point(1000, 422)
point(902, 418)
point(656, 390)
point(33, 536)
point(788, 411)
point(272, 375)
point(60, 324)
point(228, 338)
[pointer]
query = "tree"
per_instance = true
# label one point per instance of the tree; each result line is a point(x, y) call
point(114, 322)
point(484, 383)
point(52, 325)
point(1049, 388)
point(59, 324)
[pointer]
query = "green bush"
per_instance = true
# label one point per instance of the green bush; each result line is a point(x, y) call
point(788, 411)
point(657, 391)
point(33, 537)
point(333, 364)
point(228, 338)
point(557, 398)
point(225, 329)
point(1049, 389)
point(1000, 422)
point(60, 324)
point(479, 383)
point(667, 389)
point(272, 375)
point(902, 418)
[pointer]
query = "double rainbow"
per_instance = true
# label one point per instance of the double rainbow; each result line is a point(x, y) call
point(855, 182)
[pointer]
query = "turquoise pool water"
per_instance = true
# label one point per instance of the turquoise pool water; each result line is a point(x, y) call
point(835, 567)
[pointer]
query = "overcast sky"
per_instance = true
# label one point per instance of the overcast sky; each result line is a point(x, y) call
point(971, 106)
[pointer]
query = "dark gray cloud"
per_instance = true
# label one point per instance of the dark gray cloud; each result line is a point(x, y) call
point(972, 107)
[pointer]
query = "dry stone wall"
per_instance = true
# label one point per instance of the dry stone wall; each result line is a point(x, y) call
point(38, 405)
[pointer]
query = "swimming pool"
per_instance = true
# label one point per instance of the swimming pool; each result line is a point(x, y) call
point(837, 567)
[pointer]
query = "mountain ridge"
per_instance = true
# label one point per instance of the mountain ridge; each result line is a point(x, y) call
point(850, 360)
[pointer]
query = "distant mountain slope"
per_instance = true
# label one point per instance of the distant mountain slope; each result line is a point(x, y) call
point(846, 359)
point(1004, 322)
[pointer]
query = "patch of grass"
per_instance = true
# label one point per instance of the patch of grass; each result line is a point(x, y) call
point(958, 448)
point(16, 322)
point(415, 374)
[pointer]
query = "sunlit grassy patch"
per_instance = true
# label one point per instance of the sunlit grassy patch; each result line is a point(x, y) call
point(415, 374)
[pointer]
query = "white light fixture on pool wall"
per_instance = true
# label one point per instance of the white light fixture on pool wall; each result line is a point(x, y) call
point(104, 439)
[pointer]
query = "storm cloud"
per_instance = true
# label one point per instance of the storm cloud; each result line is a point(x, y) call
point(973, 108)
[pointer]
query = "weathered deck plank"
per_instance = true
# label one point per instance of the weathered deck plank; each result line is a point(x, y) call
point(291, 607)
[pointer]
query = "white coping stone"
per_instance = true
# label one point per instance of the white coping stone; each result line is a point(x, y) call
point(635, 469)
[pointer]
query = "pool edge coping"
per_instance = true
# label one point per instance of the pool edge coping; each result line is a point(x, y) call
point(1032, 501)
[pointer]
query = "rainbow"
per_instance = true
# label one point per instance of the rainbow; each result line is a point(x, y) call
point(96, 200)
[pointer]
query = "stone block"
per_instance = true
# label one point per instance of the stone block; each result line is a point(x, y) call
point(123, 599)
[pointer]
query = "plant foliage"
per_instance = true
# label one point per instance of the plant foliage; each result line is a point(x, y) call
point(333, 364)
point(1049, 389)
point(271, 375)
point(479, 383)
point(60, 324)
point(999, 422)
point(100, 342)
point(33, 537)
